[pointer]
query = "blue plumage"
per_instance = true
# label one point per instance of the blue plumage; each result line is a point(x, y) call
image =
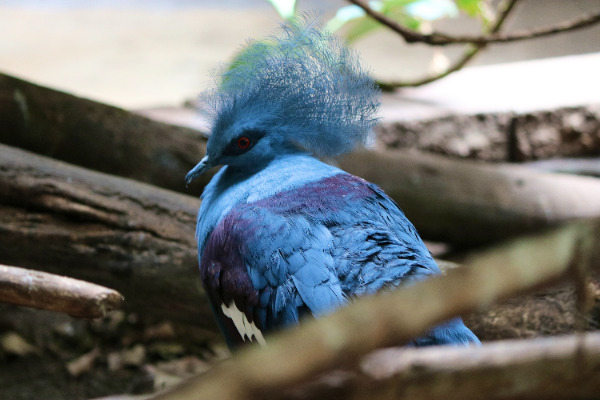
point(282, 235)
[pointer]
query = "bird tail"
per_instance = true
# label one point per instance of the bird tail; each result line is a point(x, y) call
point(453, 333)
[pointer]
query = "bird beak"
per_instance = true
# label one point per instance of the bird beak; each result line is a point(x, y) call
point(200, 168)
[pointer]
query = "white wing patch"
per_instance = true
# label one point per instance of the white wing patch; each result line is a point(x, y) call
point(246, 328)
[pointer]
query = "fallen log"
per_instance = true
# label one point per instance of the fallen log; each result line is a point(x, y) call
point(135, 238)
point(498, 136)
point(45, 291)
point(542, 368)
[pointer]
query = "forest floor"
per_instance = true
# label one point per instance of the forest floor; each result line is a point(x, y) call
point(45, 355)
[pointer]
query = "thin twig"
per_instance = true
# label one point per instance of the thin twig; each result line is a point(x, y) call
point(467, 56)
point(443, 39)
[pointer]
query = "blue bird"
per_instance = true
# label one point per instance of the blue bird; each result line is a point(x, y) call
point(282, 235)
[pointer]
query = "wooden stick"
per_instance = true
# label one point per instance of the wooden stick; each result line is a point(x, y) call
point(45, 291)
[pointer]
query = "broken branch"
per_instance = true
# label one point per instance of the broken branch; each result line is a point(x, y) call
point(46, 291)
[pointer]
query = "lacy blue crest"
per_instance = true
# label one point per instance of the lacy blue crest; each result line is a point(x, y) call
point(301, 83)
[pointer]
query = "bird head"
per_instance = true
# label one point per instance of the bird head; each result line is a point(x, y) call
point(300, 90)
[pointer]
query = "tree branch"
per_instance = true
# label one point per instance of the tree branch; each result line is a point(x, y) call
point(56, 293)
point(443, 39)
point(471, 51)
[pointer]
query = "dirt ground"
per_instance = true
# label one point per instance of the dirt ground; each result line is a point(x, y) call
point(46, 355)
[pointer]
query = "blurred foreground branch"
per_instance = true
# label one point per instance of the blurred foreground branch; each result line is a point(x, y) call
point(343, 338)
point(56, 293)
point(542, 368)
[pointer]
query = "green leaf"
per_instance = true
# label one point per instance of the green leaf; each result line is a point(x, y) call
point(477, 9)
point(398, 3)
point(285, 8)
point(470, 7)
point(361, 27)
point(343, 16)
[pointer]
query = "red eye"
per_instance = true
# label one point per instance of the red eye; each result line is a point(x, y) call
point(243, 142)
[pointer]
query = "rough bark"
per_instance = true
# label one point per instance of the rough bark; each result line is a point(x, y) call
point(45, 291)
point(135, 238)
point(467, 203)
point(343, 338)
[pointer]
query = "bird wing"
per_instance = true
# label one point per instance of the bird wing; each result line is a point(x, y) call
point(263, 270)
point(373, 244)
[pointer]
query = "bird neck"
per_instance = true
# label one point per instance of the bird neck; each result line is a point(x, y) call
point(231, 186)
